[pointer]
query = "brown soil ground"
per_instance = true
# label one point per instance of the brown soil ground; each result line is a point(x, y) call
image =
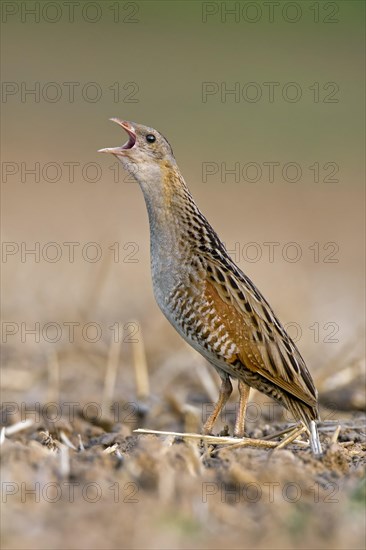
point(80, 477)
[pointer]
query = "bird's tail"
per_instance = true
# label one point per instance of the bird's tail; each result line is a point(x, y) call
point(308, 415)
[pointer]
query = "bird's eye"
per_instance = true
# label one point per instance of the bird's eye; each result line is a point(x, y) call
point(150, 138)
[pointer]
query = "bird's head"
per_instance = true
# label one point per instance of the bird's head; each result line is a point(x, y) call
point(145, 152)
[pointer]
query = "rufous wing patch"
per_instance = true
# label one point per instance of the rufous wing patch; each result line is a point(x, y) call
point(254, 355)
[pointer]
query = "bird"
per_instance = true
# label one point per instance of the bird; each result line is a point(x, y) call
point(206, 297)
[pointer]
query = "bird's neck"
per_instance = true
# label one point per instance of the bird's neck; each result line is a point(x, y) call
point(175, 222)
point(168, 201)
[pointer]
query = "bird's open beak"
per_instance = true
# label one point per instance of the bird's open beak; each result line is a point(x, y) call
point(128, 145)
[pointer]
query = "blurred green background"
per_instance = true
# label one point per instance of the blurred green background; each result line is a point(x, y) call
point(150, 62)
point(156, 57)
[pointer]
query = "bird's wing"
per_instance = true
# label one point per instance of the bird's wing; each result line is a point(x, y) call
point(262, 344)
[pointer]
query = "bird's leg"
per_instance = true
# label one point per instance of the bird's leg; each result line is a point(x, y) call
point(224, 394)
point(243, 401)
